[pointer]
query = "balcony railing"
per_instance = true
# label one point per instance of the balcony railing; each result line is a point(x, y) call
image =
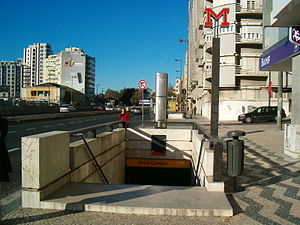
point(241, 71)
point(240, 39)
point(257, 9)
point(207, 74)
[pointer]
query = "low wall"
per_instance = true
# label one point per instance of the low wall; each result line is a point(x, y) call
point(205, 156)
point(49, 161)
point(178, 143)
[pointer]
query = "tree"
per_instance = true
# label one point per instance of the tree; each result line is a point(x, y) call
point(111, 94)
point(136, 97)
point(126, 95)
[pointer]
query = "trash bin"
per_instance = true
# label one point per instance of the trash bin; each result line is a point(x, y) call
point(235, 153)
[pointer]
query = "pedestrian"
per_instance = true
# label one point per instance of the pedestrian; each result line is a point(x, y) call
point(124, 117)
point(195, 110)
point(5, 166)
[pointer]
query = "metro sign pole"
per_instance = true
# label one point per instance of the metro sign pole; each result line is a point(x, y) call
point(216, 144)
point(142, 85)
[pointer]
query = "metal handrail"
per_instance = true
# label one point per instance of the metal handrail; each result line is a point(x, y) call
point(94, 160)
point(94, 128)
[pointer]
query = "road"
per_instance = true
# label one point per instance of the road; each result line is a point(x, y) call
point(11, 190)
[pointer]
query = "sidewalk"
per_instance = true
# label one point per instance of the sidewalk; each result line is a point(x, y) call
point(270, 195)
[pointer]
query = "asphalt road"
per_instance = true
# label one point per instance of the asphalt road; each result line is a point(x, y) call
point(17, 131)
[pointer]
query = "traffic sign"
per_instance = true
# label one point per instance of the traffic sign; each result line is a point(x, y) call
point(142, 84)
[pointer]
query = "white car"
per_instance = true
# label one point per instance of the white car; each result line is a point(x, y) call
point(66, 108)
point(109, 107)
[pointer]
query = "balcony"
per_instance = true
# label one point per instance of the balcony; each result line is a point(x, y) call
point(247, 72)
point(248, 39)
point(207, 74)
point(208, 47)
point(250, 10)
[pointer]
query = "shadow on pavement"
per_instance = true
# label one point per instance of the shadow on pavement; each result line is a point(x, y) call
point(35, 218)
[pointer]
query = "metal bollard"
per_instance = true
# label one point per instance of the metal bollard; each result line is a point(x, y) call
point(235, 155)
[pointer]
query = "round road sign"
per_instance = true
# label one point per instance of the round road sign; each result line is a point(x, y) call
point(142, 84)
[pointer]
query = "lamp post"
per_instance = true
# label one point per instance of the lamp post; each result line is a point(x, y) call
point(72, 77)
point(98, 88)
point(180, 60)
point(188, 69)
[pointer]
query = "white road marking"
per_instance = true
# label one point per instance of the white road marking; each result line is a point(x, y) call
point(14, 149)
point(48, 126)
point(13, 131)
point(33, 128)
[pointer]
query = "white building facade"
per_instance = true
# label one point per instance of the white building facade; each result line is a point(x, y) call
point(73, 68)
point(242, 85)
point(33, 60)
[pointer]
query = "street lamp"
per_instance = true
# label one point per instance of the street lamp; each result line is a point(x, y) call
point(180, 89)
point(179, 60)
point(188, 67)
point(98, 85)
point(72, 77)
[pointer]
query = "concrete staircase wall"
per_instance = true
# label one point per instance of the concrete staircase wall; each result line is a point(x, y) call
point(206, 165)
point(178, 143)
point(49, 162)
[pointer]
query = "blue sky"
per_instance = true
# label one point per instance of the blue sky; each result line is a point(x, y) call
point(130, 39)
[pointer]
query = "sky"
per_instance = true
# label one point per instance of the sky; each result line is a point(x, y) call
point(130, 39)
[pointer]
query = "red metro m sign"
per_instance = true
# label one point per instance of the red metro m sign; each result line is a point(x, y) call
point(210, 13)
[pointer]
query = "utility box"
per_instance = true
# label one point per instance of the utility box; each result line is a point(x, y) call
point(235, 153)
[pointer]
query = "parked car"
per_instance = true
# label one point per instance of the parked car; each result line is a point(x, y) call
point(137, 110)
point(119, 108)
point(109, 107)
point(100, 107)
point(66, 108)
point(260, 114)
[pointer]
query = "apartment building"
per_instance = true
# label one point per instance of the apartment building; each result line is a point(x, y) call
point(281, 58)
point(242, 85)
point(33, 60)
point(72, 68)
point(10, 79)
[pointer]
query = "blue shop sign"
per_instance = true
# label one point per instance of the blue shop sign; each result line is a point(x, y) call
point(281, 52)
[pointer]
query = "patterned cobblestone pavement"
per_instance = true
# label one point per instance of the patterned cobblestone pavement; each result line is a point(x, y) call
point(269, 190)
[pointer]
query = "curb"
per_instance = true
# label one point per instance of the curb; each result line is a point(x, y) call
point(35, 117)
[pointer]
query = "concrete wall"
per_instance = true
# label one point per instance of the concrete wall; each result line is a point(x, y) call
point(49, 161)
point(109, 150)
point(201, 151)
point(180, 144)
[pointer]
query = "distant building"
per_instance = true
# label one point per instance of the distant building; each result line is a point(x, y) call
point(52, 94)
point(10, 79)
point(33, 60)
point(73, 68)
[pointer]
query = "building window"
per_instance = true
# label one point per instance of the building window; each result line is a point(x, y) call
point(33, 93)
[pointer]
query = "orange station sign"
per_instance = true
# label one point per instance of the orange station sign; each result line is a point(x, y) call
point(160, 163)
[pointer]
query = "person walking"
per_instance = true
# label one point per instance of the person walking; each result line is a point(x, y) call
point(5, 165)
point(194, 111)
point(124, 117)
